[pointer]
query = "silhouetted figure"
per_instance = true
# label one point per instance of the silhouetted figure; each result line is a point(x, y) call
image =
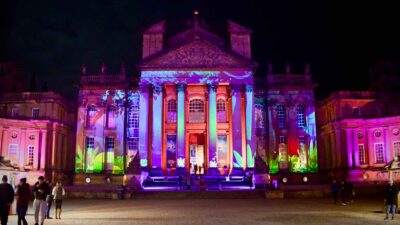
point(6, 199)
point(391, 192)
point(335, 190)
point(23, 195)
point(40, 191)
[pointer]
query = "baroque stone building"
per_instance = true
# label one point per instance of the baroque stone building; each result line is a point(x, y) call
point(195, 109)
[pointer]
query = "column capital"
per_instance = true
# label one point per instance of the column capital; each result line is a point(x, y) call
point(212, 86)
point(180, 87)
point(157, 88)
point(236, 87)
point(143, 87)
point(249, 88)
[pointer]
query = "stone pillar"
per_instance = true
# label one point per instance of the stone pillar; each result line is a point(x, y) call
point(23, 150)
point(1, 142)
point(157, 137)
point(350, 145)
point(237, 127)
point(370, 148)
point(356, 153)
point(389, 155)
point(43, 148)
point(212, 129)
point(250, 126)
point(181, 131)
point(143, 125)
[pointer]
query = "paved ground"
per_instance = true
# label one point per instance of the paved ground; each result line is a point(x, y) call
point(219, 211)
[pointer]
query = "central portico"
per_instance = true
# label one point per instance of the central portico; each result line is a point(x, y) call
point(196, 101)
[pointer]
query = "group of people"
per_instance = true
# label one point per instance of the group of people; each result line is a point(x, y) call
point(43, 199)
point(344, 189)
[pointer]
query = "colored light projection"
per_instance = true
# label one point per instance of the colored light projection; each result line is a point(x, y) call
point(212, 126)
point(301, 154)
point(196, 77)
point(171, 151)
point(222, 151)
point(97, 150)
point(250, 141)
point(181, 126)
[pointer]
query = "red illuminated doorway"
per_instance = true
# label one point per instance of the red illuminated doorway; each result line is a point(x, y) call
point(197, 153)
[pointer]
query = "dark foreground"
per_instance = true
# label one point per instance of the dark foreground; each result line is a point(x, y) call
point(220, 211)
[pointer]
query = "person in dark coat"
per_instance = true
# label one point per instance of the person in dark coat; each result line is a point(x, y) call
point(335, 190)
point(391, 192)
point(342, 188)
point(349, 190)
point(6, 199)
point(23, 195)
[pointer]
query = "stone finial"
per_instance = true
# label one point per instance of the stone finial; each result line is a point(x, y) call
point(83, 69)
point(287, 69)
point(269, 68)
point(123, 70)
point(103, 68)
point(307, 69)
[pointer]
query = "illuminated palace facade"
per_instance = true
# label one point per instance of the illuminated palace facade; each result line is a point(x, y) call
point(195, 109)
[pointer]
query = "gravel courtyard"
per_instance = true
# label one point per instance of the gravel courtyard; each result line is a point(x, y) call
point(219, 211)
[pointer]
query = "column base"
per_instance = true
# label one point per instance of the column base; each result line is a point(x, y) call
point(156, 172)
point(213, 171)
point(180, 171)
point(237, 172)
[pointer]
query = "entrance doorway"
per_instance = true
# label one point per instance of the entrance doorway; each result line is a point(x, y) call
point(197, 153)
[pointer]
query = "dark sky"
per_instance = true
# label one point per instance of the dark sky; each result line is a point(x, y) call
point(341, 40)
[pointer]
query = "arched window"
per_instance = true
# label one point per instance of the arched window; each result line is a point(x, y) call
point(281, 114)
point(301, 122)
point(196, 111)
point(111, 116)
point(90, 117)
point(171, 111)
point(221, 111)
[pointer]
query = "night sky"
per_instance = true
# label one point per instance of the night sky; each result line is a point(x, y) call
point(51, 39)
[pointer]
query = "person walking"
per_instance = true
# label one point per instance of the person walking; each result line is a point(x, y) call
point(335, 190)
point(49, 202)
point(6, 199)
point(40, 191)
point(391, 192)
point(349, 190)
point(23, 195)
point(342, 188)
point(58, 193)
point(187, 181)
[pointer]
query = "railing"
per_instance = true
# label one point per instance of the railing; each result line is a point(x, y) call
point(102, 79)
point(285, 79)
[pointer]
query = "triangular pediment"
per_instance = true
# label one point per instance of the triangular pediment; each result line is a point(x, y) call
point(197, 54)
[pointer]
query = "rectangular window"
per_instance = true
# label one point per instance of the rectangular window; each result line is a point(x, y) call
point(109, 143)
point(302, 139)
point(35, 113)
point(379, 154)
point(31, 153)
point(361, 154)
point(89, 142)
point(133, 143)
point(356, 112)
point(12, 149)
point(396, 148)
point(282, 139)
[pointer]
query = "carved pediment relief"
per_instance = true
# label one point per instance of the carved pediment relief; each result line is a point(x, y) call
point(197, 54)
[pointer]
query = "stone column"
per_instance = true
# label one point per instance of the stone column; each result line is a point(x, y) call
point(1, 142)
point(181, 131)
point(237, 126)
point(23, 149)
point(250, 132)
point(143, 125)
point(356, 152)
point(212, 129)
point(43, 148)
point(156, 147)
point(389, 155)
point(350, 145)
